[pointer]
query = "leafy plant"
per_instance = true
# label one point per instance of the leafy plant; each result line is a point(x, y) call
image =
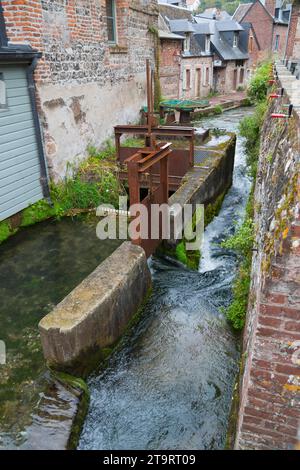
point(218, 109)
point(5, 231)
point(258, 86)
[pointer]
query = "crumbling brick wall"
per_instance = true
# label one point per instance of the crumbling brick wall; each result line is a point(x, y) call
point(170, 52)
point(85, 85)
point(293, 45)
point(269, 402)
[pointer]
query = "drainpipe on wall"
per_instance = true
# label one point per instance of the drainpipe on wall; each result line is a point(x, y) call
point(43, 167)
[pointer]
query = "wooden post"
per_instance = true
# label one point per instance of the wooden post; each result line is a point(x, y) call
point(117, 143)
point(133, 183)
point(164, 179)
point(192, 149)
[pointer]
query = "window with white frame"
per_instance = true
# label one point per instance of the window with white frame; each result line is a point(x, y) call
point(187, 43)
point(235, 39)
point(207, 44)
point(3, 99)
point(111, 21)
point(277, 39)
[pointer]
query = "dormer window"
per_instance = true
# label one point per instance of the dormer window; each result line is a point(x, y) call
point(235, 40)
point(187, 43)
point(207, 44)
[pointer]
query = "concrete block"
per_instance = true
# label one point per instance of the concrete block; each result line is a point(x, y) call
point(95, 314)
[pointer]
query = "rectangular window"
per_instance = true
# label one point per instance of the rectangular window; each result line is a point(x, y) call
point(198, 82)
point(277, 39)
point(187, 79)
point(187, 43)
point(111, 21)
point(242, 74)
point(251, 44)
point(235, 40)
point(207, 44)
point(207, 76)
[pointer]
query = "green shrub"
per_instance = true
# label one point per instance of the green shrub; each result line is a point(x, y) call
point(38, 212)
point(250, 128)
point(242, 241)
point(258, 86)
point(218, 109)
point(108, 152)
point(5, 231)
point(236, 312)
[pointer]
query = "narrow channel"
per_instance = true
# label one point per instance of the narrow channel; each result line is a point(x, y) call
point(171, 384)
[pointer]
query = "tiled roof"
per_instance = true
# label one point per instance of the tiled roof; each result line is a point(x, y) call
point(202, 28)
point(241, 11)
point(167, 35)
point(181, 26)
point(228, 25)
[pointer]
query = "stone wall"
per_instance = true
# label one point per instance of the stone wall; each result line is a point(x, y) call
point(85, 85)
point(281, 31)
point(269, 402)
point(170, 58)
point(198, 68)
point(224, 77)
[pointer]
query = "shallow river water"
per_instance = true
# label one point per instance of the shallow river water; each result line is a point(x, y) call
point(171, 384)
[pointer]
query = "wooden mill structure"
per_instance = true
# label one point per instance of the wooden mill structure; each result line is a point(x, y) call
point(156, 167)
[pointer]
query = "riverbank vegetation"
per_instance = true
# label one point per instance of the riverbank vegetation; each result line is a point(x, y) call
point(242, 241)
point(93, 182)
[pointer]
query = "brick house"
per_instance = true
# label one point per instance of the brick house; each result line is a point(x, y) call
point(268, 26)
point(229, 44)
point(90, 74)
point(190, 58)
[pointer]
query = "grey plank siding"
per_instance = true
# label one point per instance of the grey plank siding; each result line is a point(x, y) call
point(19, 161)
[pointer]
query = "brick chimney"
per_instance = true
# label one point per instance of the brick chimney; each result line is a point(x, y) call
point(270, 6)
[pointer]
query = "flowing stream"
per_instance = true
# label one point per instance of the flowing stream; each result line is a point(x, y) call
point(170, 386)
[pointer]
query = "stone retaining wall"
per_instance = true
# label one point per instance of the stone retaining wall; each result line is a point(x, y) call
point(96, 313)
point(270, 393)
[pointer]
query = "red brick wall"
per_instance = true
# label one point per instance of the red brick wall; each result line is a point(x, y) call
point(254, 54)
point(262, 24)
point(73, 37)
point(293, 46)
point(270, 6)
point(269, 415)
point(85, 85)
point(170, 67)
point(282, 32)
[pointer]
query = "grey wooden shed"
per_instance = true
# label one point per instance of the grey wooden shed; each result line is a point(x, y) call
point(23, 174)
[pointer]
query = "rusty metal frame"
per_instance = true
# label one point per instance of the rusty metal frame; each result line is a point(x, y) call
point(154, 157)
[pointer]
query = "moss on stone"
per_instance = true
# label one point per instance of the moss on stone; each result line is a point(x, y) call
point(5, 231)
point(213, 209)
point(79, 387)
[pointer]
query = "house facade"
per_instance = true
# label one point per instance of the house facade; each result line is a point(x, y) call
point(90, 74)
point(229, 45)
point(269, 23)
point(191, 57)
